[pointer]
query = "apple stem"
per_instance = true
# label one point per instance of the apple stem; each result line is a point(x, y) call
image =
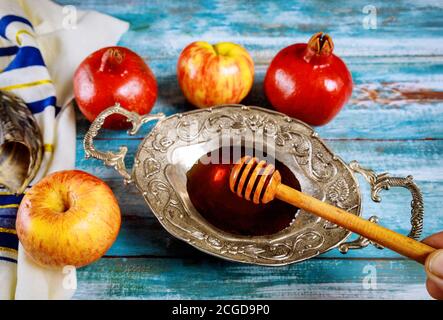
point(111, 57)
point(320, 44)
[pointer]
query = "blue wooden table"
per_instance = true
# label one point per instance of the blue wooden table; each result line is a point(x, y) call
point(392, 123)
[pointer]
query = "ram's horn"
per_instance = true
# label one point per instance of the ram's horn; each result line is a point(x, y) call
point(21, 144)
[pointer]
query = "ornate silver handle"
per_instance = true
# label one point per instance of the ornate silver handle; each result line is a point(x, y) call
point(116, 160)
point(385, 181)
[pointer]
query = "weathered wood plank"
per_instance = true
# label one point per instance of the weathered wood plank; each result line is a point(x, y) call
point(394, 86)
point(161, 29)
point(375, 57)
point(416, 59)
point(151, 278)
point(390, 101)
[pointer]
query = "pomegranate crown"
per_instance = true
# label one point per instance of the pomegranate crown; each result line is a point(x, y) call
point(321, 44)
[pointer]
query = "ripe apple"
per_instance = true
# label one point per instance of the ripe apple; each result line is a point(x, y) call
point(215, 74)
point(114, 75)
point(68, 218)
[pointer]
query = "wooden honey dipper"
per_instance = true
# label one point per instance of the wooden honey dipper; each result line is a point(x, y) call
point(260, 182)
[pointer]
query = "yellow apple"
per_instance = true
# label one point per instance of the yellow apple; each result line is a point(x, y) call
point(68, 218)
point(215, 74)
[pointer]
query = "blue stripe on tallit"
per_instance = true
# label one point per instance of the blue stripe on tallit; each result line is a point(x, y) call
point(7, 213)
point(10, 199)
point(39, 106)
point(8, 221)
point(26, 57)
point(7, 216)
point(6, 20)
point(8, 259)
point(9, 240)
point(8, 51)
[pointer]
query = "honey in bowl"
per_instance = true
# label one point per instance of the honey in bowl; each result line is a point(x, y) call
point(208, 190)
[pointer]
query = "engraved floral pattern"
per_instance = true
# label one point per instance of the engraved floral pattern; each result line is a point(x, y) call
point(151, 166)
point(162, 143)
point(338, 192)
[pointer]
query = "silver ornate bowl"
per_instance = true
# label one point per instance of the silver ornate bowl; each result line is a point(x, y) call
point(173, 146)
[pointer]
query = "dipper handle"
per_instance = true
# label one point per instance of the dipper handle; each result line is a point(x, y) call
point(261, 183)
point(397, 242)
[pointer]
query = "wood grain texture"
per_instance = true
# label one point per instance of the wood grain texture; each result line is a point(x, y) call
point(161, 29)
point(392, 123)
point(212, 278)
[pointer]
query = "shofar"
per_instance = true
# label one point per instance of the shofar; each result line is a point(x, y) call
point(21, 144)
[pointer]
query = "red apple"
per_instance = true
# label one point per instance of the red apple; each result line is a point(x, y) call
point(215, 74)
point(68, 218)
point(114, 75)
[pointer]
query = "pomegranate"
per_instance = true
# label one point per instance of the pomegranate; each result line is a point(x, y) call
point(114, 75)
point(308, 82)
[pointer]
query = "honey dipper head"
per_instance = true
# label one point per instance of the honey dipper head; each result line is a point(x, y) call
point(254, 180)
